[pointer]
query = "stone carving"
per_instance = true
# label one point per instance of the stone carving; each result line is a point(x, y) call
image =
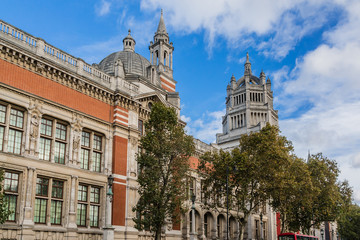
point(40, 67)
point(35, 114)
point(133, 141)
point(76, 129)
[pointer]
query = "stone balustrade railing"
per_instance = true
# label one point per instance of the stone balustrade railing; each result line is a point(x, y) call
point(49, 52)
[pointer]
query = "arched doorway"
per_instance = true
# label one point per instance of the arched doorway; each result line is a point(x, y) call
point(208, 225)
point(221, 226)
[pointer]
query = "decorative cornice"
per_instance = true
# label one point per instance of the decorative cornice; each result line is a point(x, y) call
point(64, 77)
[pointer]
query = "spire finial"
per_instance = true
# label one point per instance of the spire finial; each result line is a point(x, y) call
point(247, 65)
point(161, 26)
point(129, 32)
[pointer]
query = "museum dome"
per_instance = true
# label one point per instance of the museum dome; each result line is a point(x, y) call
point(133, 62)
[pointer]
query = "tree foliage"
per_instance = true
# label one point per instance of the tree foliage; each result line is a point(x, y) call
point(349, 222)
point(4, 212)
point(310, 194)
point(292, 194)
point(251, 171)
point(163, 164)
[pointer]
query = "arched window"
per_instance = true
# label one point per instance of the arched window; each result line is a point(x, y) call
point(165, 58)
point(157, 57)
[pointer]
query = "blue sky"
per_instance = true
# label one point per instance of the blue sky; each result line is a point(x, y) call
point(310, 49)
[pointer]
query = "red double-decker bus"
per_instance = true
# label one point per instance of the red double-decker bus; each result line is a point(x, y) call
point(296, 236)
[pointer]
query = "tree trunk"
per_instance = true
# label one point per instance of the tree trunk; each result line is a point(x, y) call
point(158, 234)
point(242, 230)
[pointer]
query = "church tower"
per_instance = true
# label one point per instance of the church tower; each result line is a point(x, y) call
point(161, 58)
point(249, 106)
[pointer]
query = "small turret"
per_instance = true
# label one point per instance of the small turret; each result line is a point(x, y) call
point(262, 77)
point(129, 42)
point(268, 83)
point(247, 66)
point(233, 82)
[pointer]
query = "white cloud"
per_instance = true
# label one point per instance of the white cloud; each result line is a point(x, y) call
point(322, 101)
point(102, 8)
point(356, 161)
point(239, 21)
point(185, 118)
point(206, 127)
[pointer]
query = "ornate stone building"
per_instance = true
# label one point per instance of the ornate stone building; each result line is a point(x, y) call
point(249, 106)
point(66, 126)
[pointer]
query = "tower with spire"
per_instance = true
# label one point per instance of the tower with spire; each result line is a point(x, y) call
point(249, 106)
point(161, 50)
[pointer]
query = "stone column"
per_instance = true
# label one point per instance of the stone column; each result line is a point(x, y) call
point(193, 235)
point(108, 229)
point(71, 233)
point(72, 208)
point(28, 219)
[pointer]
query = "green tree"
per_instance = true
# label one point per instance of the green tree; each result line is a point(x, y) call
point(251, 171)
point(327, 194)
point(310, 194)
point(349, 222)
point(293, 194)
point(4, 212)
point(164, 163)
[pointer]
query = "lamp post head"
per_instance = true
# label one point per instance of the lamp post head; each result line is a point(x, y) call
point(110, 183)
point(110, 180)
point(193, 197)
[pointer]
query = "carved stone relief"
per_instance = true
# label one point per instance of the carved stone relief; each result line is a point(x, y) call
point(35, 114)
point(76, 129)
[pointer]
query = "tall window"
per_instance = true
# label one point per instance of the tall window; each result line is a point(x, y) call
point(91, 148)
point(48, 203)
point(53, 132)
point(11, 189)
point(56, 201)
point(191, 187)
point(88, 206)
point(206, 226)
point(264, 231)
point(11, 121)
point(2, 125)
point(141, 127)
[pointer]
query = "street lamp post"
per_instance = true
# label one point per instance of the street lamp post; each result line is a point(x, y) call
point(322, 234)
point(109, 229)
point(261, 226)
point(192, 233)
point(227, 203)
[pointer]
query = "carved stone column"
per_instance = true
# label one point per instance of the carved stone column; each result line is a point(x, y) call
point(72, 206)
point(28, 219)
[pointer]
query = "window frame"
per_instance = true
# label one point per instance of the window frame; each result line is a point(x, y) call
point(88, 205)
point(94, 149)
point(12, 193)
point(55, 153)
point(50, 199)
point(7, 127)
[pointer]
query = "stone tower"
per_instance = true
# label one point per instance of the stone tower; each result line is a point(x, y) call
point(161, 50)
point(249, 106)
